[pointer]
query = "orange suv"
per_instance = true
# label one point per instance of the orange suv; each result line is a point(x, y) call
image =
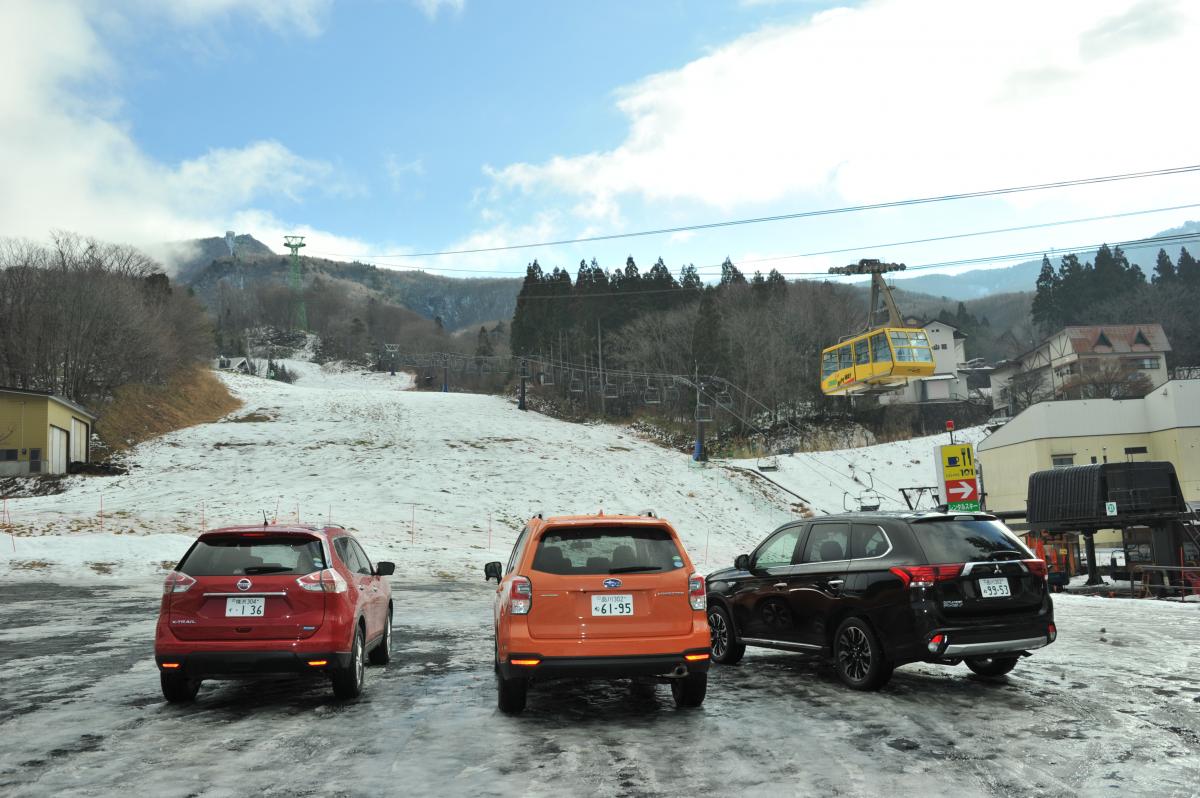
point(599, 596)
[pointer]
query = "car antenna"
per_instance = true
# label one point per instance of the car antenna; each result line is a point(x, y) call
point(264, 512)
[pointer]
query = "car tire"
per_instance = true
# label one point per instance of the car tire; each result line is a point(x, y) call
point(690, 690)
point(177, 688)
point(991, 667)
point(348, 681)
point(511, 694)
point(858, 657)
point(723, 645)
point(382, 653)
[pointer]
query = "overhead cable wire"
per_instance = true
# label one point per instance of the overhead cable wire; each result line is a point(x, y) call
point(993, 192)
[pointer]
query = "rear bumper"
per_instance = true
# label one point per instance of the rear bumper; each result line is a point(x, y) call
point(232, 664)
point(995, 647)
point(624, 667)
point(958, 643)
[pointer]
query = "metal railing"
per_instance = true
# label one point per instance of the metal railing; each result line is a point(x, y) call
point(1157, 581)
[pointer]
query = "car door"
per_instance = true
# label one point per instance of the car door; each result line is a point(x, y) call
point(376, 608)
point(502, 586)
point(759, 601)
point(360, 582)
point(814, 585)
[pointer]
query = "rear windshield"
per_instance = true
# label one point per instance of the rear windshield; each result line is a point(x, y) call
point(952, 541)
point(606, 550)
point(236, 555)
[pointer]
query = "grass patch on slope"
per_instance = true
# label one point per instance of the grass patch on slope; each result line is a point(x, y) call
point(141, 412)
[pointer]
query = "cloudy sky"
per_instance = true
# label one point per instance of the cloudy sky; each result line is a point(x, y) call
point(385, 127)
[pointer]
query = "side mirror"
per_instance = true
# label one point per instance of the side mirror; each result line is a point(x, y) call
point(742, 563)
point(492, 571)
point(385, 568)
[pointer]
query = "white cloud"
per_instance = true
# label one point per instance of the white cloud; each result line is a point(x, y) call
point(400, 172)
point(304, 16)
point(896, 99)
point(67, 163)
point(431, 8)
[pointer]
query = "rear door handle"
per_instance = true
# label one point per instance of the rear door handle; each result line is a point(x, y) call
point(780, 585)
point(836, 584)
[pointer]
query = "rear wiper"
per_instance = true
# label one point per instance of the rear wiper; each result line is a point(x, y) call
point(629, 569)
point(267, 569)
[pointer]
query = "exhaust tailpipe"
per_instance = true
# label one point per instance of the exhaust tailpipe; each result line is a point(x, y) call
point(679, 672)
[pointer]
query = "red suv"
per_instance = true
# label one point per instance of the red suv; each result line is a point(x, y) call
point(599, 596)
point(273, 599)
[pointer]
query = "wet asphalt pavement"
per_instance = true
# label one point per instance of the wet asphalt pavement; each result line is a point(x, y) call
point(1112, 708)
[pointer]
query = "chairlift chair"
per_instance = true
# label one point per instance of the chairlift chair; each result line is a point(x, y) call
point(611, 391)
point(704, 411)
point(547, 375)
point(629, 388)
point(725, 399)
point(575, 385)
point(671, 393)
point(653, 395)
point(769, 462)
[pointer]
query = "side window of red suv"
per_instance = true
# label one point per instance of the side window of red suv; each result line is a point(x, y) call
point(361, 563)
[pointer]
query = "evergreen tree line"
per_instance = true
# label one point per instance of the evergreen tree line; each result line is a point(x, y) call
point(1111, 290)
point(762, 333)
point(80, 318)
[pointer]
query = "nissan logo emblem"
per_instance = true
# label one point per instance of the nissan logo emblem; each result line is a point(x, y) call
point(243, 584)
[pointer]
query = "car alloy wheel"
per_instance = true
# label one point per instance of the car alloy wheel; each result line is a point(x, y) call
point(854, 653)
point(359, 664)
point(719, 633)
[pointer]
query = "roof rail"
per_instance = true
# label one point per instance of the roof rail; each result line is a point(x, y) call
point(648, 514)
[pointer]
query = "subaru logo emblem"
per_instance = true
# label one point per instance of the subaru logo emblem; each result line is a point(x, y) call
point(243, 584)
point(610, 583)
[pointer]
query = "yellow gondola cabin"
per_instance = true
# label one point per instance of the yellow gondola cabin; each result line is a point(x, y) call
point(878, 360)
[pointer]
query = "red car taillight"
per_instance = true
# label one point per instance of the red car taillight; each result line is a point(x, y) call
point(696, 595)
point(520, 596)
point(1037, 567)
point(327, 581)
point(177, 582)
point(927, 575)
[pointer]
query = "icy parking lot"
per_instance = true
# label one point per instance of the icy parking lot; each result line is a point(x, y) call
point(1112, 708)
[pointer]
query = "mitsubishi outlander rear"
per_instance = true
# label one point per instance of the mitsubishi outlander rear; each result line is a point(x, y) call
point(599, 596)
point(872, 591)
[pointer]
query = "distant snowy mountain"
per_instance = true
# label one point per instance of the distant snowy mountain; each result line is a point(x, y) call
point(984, 282)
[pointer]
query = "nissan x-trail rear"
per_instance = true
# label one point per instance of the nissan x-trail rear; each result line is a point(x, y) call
point(606, 597)
point(872, 591)
point(247, 601)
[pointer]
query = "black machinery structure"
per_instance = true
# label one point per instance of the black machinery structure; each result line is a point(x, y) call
point(1143, 499)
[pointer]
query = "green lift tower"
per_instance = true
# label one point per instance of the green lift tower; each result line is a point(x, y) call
point(299, 311)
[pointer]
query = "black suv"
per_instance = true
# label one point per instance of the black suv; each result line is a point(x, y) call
point(875, 590)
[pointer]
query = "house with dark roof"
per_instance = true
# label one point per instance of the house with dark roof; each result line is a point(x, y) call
point(1059, 364)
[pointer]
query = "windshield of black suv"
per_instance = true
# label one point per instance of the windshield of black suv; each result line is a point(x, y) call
point(607, 550)
point(953, 541)
point(238, 555)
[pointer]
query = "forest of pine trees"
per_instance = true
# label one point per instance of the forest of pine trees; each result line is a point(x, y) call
point(1111, 290)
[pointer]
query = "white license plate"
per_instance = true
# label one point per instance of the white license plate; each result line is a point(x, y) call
point(994, 588)
point(607, 604)
point(244, 607)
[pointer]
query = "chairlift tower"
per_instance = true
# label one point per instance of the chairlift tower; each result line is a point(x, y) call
point(299, 311)
point(881, 292)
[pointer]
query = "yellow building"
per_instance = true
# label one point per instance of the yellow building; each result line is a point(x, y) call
point(41, 433)
point(1163, 425)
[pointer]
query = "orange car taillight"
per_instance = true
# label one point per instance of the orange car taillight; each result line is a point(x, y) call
point(696, 596)
point(177, 582)
point(327, 581)
point(520, 596)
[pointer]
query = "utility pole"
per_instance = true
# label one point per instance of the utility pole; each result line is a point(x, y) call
point(446, 374)
point(524, 377)
point(699, 455)
point(299, 311)
point(600, 362)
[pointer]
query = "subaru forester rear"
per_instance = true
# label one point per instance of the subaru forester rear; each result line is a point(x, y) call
point(598, 596)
